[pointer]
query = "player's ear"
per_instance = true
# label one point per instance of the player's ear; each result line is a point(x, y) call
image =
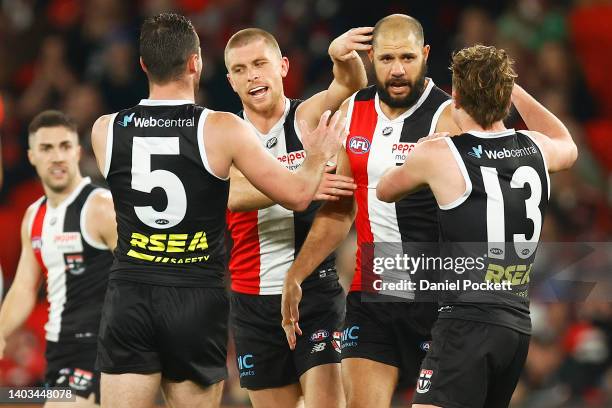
point(426, 52)
point(371, 54)
point(31, 156)
point(231, 82)
point(143, 66)
point(193, 63)
point(284, 66)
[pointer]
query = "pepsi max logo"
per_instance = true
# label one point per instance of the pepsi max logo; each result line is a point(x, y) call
point(359, 145)
point(319, 335)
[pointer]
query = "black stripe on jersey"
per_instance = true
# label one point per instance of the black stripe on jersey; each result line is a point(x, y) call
point(417, 213)
point(366, 94)
point(86, 279)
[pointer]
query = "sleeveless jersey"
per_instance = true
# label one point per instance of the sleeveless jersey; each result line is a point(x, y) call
point(170, 206)
point(503, 208)
point(75, 266)
point(267, 241)
point(376, 143)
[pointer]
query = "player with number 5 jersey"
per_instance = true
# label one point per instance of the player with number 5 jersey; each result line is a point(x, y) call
point(167, 163)
point(492, 188)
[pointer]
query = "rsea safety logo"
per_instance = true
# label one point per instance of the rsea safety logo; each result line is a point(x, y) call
point(359, 145)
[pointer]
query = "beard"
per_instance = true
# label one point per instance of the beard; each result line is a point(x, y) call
point(417, 86)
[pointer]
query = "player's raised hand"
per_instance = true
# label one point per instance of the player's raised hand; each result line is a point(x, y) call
point(290, 302)
point(345, 47)
point(334, 186)
point(325, 140)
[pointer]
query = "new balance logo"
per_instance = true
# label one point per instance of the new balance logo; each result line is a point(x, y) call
point(127, 119)
point(476, 152)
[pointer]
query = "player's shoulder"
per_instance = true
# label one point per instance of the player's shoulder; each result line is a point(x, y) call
point(101, 124)
point(224, 121)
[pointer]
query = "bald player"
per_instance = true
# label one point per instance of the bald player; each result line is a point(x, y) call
point(382, 343)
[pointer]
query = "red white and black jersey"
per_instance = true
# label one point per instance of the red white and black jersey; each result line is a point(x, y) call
point(267, 241)
point(75, 266)
point(374, 144)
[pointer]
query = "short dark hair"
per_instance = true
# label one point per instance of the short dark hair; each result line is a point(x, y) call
point(483, 78)
point(51, 118)
point(166, 42)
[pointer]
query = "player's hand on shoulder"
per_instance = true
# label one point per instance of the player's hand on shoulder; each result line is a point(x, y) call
point(345, 46)
point(327, 138)
point(334, 186)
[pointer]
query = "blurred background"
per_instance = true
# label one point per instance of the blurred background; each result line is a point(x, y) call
point(82, 57)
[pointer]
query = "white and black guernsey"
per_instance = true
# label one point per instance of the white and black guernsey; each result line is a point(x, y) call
point(170, 205)
point(75, 265)
point(266, 241)
point(503, 208)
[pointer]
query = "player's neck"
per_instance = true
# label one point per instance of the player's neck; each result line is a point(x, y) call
point(466, 123)
point(172, 91)
point(55, 198)
point(264, 121)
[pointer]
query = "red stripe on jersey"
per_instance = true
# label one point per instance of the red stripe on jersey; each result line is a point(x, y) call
point(363, 124)
point(245, 263)
point(36, 235)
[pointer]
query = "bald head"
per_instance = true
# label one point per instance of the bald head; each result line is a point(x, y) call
point(398, 26)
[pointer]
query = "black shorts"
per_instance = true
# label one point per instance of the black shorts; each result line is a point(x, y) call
point(72, 365)
point(471, 365)
point(263, 355)
point(178, 331)
point(392, 333)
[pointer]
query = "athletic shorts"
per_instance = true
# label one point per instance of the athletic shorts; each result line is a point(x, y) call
point(71, 365)
point(393, 333)
point(471, 365)
point(178, 331)
point(263, 356)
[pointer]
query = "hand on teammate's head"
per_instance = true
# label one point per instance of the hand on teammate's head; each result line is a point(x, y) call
point(345, 46)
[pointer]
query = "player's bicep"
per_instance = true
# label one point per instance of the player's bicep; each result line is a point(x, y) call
point(558, 154)
point(29, 274)
point(99, 133)
point(101, 223)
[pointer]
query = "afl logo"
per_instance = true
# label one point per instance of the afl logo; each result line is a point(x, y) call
point(359, 145)
point(525, 251)
point(271, 143)
point(319, 335)
point(161, 221)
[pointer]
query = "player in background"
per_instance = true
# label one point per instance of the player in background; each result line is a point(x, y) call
point(167, 162)
point(383, 343)
point(492, 187)
point(267, 237)
point(67, 237)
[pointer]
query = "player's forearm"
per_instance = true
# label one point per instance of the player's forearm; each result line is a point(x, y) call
point(304, 183)
point(326, 234)
point(243, 196)
point(388, 189)
point(16, 308)
point(350, 74)
point(537, 117)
